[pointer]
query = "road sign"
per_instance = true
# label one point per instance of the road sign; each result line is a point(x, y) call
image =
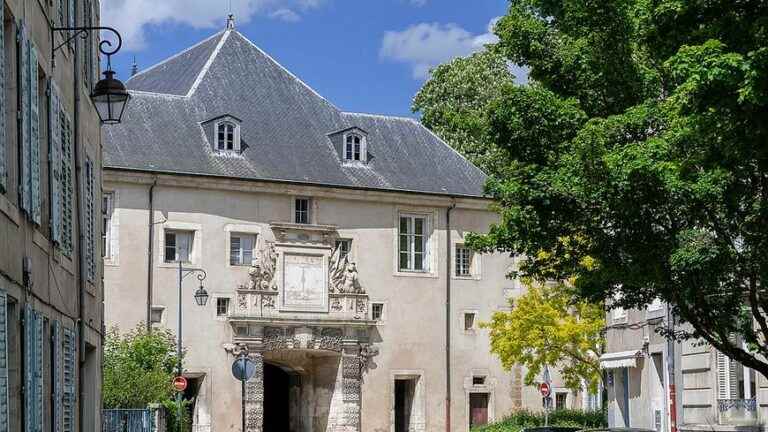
point(180, 383)
point(243, 368)
point(545, 389)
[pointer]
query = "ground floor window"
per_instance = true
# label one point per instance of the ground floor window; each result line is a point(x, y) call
point(478, 409)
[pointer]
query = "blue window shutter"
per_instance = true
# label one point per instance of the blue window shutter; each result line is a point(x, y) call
point(34, 134)
point(29, 356)
point(90, 221)
point(3, 141)
point(68, 400)
point(70, 19)
point(56, 405)
point(3, 360)
point(54, 160)
point(66, 182)
point(24, 177)
point(38, 373)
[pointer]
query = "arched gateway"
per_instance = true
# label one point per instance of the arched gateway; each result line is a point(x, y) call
point(303, 319)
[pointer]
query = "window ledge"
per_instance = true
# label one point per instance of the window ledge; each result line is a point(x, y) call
point(417, 274)
point(466, 278)
point(174, 265)
point(10, 210)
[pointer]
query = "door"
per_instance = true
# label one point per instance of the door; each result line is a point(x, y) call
point(478, 409)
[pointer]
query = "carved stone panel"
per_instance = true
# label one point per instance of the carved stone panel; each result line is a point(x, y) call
point(254, 397)
point(305, 284)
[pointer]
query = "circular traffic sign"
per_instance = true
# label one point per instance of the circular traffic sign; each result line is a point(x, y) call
point(243, 368)
point(545, 389)
point(179, 383)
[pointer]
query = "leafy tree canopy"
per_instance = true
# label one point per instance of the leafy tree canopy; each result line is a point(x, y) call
point(546, 327)
point(639, 146)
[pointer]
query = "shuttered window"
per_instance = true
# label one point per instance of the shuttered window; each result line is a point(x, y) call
point(30, 129)
point(68, 388)
point(70, 20)
point(54, 161)
point(3, 361)
point(65, 174)
point(56, 376)
point(33, 370)
point(727, 377)
point(90, 223)
point(3, 137)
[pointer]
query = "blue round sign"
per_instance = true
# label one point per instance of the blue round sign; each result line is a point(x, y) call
point(243, 368)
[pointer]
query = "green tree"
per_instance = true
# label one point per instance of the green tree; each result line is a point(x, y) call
point(641, 144)
point(547, 327)
point(139, 367)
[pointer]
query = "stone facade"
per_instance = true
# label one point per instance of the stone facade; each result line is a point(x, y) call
point(51, 302)
point(343, 365)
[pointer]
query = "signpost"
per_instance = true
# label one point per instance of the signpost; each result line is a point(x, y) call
point(546, 392)
point(243, 369)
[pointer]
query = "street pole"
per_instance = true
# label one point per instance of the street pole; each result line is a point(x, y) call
point(242, 390)
point(178, 349)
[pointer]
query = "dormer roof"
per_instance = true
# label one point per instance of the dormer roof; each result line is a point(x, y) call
point(286, 124)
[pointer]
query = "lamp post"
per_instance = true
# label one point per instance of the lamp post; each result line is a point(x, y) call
point(109, 94)
point(201, 298)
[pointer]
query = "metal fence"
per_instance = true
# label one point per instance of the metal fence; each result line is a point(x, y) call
point(128, 420)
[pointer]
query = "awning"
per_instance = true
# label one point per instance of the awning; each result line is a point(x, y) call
point(618, 360)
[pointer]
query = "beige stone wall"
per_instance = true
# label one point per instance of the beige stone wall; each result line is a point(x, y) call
point(411, 336)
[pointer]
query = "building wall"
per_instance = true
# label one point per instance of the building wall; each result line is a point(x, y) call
point(51, 285)
point(411, 335)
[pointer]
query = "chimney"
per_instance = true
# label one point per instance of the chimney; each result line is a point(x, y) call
point(230, 22)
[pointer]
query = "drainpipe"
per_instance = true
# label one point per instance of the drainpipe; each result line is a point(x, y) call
point(80, 236)
point(448, 316)
point(671, 370)
point(150, 253)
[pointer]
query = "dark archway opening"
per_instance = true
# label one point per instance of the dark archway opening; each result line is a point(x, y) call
point(276, 399)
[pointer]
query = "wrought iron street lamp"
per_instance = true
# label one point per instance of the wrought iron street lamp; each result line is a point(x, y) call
point(109, 94)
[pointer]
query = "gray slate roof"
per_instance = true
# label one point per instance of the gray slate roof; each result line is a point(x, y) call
point(285, 124)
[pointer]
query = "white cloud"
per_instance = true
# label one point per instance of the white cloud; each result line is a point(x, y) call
point(427, 45)
point(418, 3)
point(132, 17)
point(285, 14)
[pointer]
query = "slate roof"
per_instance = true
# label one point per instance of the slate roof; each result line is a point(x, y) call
point(285, 125)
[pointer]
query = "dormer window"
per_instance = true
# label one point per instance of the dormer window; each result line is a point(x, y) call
point(354, 147)
point(225, 139)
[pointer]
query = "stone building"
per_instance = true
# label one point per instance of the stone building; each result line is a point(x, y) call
point(51, 304)
point(330, 241)
point(712, 392)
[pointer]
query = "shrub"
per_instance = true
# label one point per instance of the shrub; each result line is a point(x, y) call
point(520, 420)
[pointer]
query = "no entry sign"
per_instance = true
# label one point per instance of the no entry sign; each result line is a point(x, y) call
point(180, 383)
point(545, 389)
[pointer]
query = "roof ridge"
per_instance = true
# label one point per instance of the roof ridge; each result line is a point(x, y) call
point(382, 116)
point(208, 63)
point(166, 60)
point(265, 54)
point(155, 94)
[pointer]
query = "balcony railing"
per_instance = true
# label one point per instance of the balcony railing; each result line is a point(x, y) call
point(737, 411)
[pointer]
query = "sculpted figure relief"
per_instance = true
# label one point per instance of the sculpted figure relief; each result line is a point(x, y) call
point(343, 275)
point(263, 269)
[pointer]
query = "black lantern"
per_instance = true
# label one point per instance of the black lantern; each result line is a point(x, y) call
point(110, 97)
point(201, 296)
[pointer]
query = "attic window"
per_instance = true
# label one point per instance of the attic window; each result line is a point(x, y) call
point(227, 136)
point(354, 149)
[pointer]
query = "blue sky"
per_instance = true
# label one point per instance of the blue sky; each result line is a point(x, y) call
point(363, 55)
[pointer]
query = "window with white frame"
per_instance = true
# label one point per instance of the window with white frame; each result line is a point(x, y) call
point(464, 258)
point(107, 209)
point(377, 311)
point(227, 135)
point(222, 306)
point(354, 147)
point(156, 314)
point(469, 321)
point(344, 246)
point(302, 208)
point(241, 249)
point(413, 243)
point(178, 246)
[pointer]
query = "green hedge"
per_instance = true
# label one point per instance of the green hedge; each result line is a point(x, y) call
point(564, 417)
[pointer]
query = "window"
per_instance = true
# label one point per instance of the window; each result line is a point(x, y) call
point(377, 311)
point(156, 314)
point(226, 136)
point(107, 209)
point(413, 243)
point(354, 148)
point(222, 306)
point(241, 249)
point(345, 246)
point(178, 246)
point(90, 220)
point(469, 321)
point(302, 208)
point(560, 399)
point(464, 258)
point(478, 380)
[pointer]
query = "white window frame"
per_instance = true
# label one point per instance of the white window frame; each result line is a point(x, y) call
point(155, 309)
point(110, 223)
point(347, 241)
point(241, 259)
point(432, 246)
point(229, 307)
point(474, 263)
point(383, 316)
point(463, 320)
point(411, 239)
point(196, 246)
point(221, 146)
point(310, 210)
point(350, 157)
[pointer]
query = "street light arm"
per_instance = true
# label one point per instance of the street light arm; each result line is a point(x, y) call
point(105, 46)
point(201, 274)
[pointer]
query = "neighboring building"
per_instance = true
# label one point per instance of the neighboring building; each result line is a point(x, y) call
point(51, 303)
point(324, 238)
point(713, 393)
